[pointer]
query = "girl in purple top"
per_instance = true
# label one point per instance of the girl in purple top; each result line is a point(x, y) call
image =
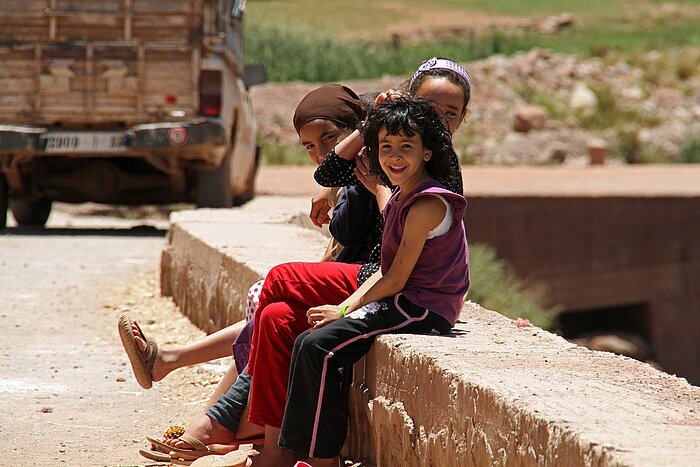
point(424, 276)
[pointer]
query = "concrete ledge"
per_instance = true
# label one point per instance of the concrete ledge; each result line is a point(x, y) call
point(492, 394)
point(214, 255)
point(498, 395)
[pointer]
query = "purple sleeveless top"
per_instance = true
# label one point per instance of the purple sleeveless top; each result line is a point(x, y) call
point(440, 278)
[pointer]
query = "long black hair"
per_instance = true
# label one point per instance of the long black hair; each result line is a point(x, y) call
point(410, 116)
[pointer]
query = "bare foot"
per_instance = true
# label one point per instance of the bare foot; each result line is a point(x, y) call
point(272, 454)
point(207, 431)
point(214, 436)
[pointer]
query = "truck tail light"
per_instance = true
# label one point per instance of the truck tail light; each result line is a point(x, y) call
point(210, 93)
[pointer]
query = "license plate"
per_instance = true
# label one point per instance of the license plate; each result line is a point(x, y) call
point(85, 142)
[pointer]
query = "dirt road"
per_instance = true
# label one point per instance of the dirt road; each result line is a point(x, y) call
point(67, 395)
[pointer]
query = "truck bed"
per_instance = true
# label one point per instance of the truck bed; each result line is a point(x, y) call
point(111, 62)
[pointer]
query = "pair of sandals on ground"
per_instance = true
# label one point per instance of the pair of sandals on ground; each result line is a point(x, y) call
point(198, 454)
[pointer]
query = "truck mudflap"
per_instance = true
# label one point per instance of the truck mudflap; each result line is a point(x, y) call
point(200, 141)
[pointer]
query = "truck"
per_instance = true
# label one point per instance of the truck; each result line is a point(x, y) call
point(124, 102)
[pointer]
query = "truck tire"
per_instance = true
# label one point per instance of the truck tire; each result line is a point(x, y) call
point(4, 194)
point(31, 213)
point(214, 187)
point(249, 192)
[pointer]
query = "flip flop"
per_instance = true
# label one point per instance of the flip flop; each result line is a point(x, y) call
point(155, 455)
point(198, 450)
point(177, 461)
point(162, 457)
point(231, 459)
point(141, 362)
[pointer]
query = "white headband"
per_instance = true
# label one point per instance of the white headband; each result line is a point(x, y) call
point(443, 64)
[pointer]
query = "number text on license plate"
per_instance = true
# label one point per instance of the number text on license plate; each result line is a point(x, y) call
point(85, 142)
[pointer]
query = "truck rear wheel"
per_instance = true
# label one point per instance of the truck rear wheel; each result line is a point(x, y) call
point(214, 187)
point(31, 213)
point(249, 192)
point(4, 194)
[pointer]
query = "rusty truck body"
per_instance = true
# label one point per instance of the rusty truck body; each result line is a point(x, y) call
point(124, 102)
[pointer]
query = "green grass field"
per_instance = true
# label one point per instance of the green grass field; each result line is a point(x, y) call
point(311, 40)
point(366, 17)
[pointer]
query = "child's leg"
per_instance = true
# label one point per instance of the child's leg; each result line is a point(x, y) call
point(288, 292)
point(277, 327)
point(226, 382)
point(226, 420)
point(313, 284)
point(312, 422)
point(272, 455)
point(211, 347)
point(229, 408)
point(305, 284)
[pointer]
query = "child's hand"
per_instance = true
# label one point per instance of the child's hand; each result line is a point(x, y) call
point(364, 174)
point(320, 316)
point(387, 96)
point(320, 208)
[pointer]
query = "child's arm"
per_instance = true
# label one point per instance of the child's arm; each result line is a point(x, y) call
point(424, 215)
point(350, 146)
point(319, 316)
point(371, 181)
point(350, 215)
point(320, 207)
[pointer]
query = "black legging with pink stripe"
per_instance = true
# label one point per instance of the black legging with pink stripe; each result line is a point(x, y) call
point(313, 424)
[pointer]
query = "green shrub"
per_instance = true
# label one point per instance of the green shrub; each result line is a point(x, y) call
point(628, 147)
point(462, 142)
point(599, 50)
point(656, 155)
point(298, 53)
point(609, 114)
point(495, 287)
point(546, 102)
point(533, 96)
point(525, 90)
point(690, 152)
point(285, 37)
point(685, 70)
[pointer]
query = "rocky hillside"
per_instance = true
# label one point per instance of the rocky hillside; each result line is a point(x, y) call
point(544, 108)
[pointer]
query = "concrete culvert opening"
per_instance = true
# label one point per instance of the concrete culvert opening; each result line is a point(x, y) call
point(622, 329)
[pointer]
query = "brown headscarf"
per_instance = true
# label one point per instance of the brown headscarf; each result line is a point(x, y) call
point(333, 102)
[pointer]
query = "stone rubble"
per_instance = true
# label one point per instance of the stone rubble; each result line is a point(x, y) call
point(665, 110)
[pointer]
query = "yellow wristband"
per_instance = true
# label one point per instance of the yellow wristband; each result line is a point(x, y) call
point(343, 309)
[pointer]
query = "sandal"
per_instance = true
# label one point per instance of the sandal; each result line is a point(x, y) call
point(232, 459)
point(197, 450)
point(155, 455)
point(141, 362)
point(159, 456)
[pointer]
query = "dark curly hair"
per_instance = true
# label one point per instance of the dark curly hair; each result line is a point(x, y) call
point(410, 116)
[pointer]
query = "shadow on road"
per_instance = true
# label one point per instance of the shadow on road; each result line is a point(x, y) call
point(136, 231)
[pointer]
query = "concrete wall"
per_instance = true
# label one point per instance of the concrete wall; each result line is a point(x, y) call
point(490, 394)
point(606, 252)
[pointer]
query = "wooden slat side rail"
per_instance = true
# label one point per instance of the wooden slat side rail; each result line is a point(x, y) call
point(47, 83)
point(136, 60)
point(61, 20)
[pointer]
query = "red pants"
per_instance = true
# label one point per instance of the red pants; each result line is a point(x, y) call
point(289, 291)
